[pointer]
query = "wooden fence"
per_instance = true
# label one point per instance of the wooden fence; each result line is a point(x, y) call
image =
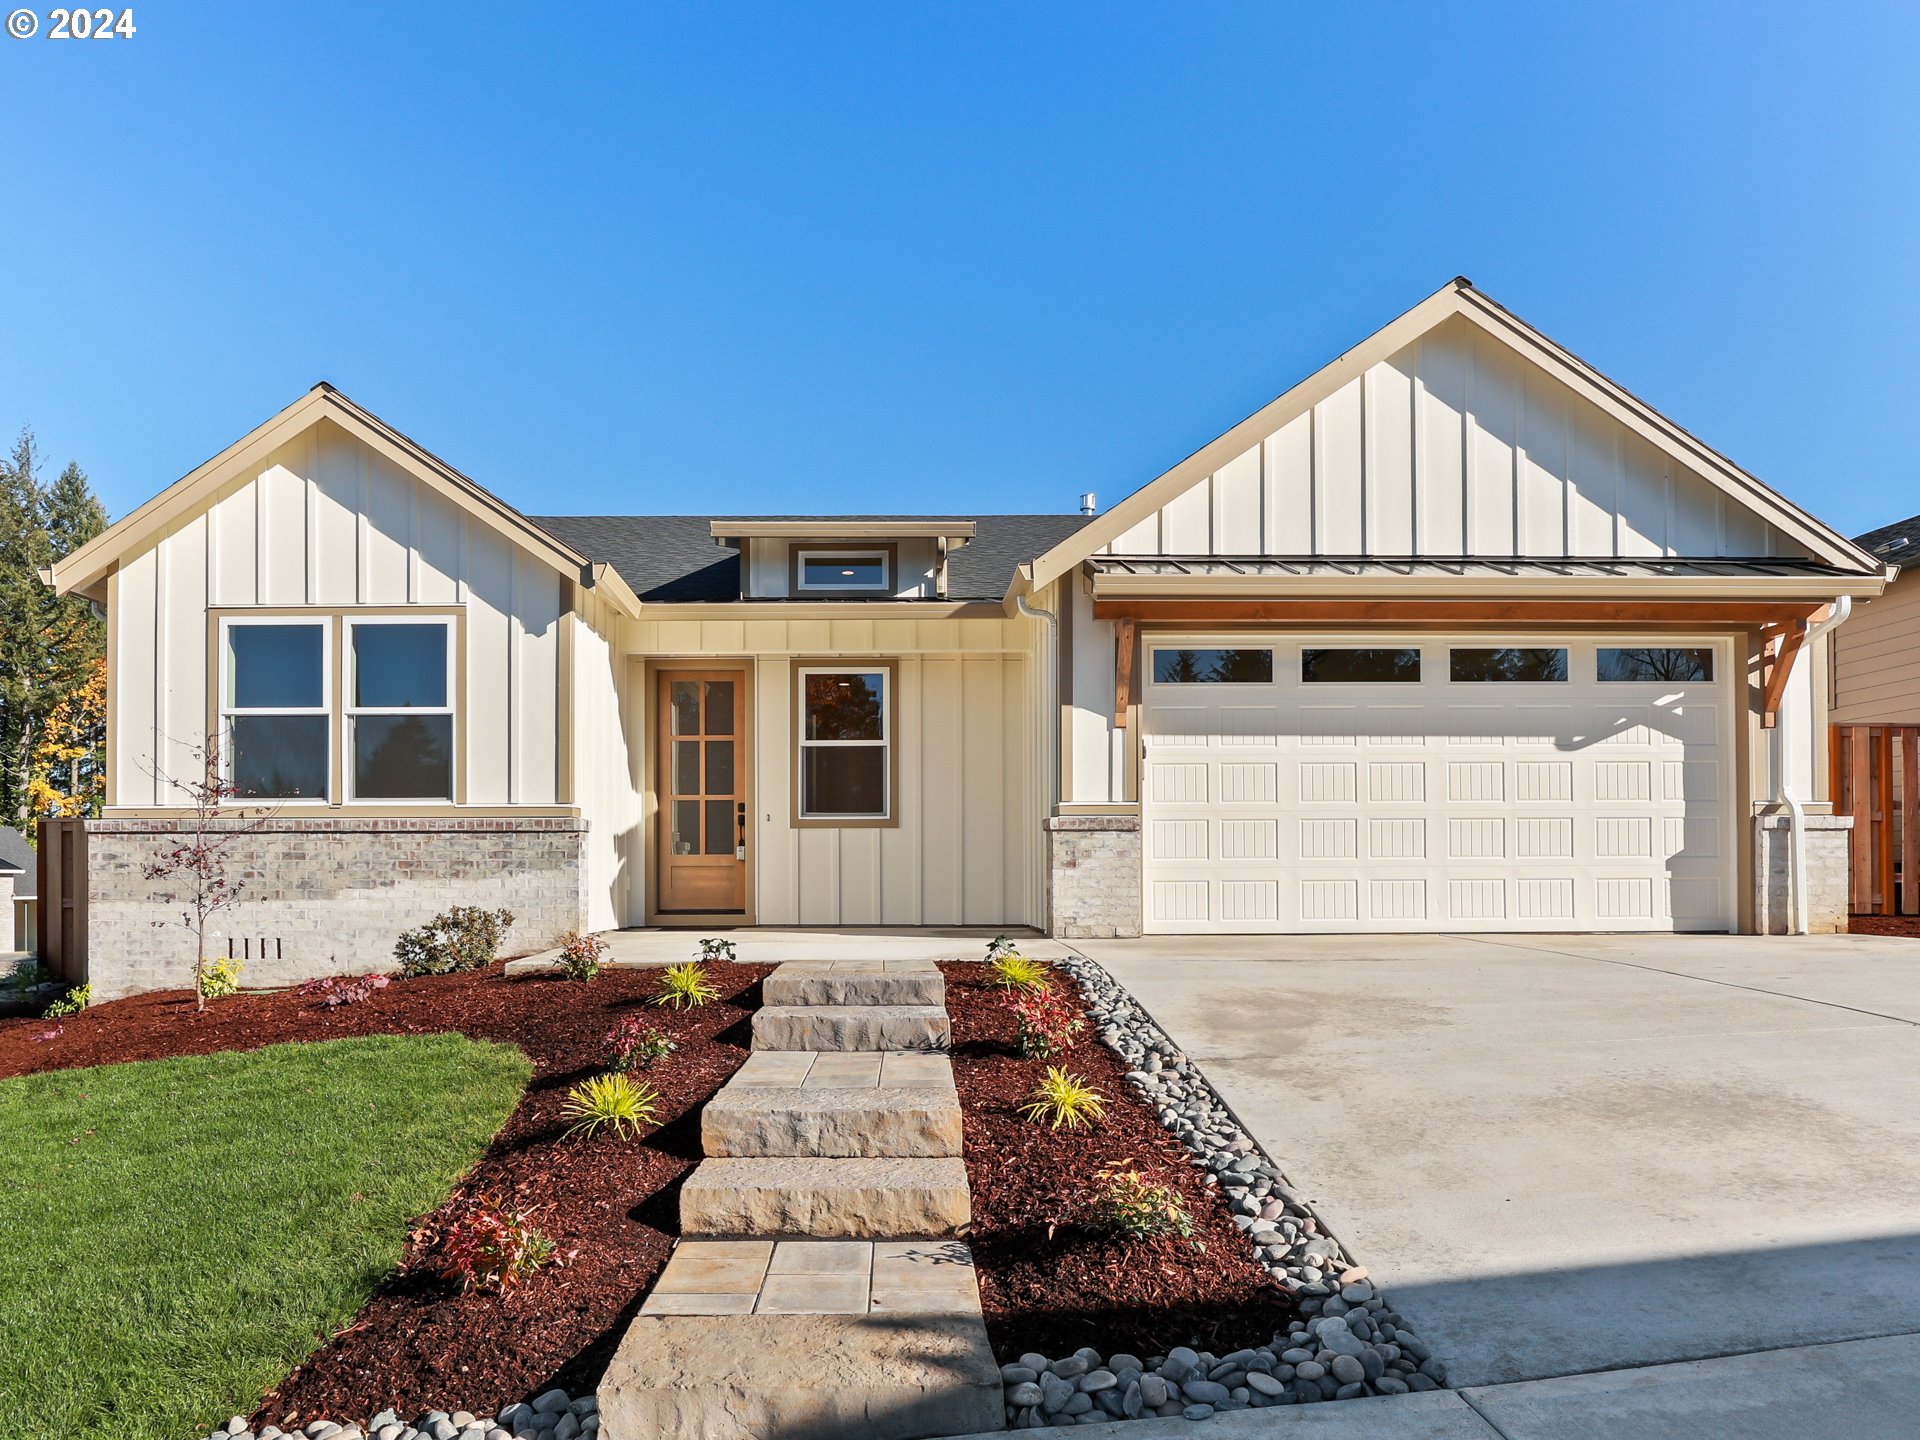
point(63, 899)
point(1876, 779)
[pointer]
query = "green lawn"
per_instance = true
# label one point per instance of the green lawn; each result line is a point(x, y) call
point(176, 1235)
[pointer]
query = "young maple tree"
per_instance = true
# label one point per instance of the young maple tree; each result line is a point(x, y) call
point(212, 848)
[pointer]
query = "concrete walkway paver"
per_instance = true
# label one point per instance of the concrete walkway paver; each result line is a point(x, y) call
point(1575, 1153)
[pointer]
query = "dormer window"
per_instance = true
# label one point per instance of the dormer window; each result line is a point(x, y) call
point(843, 571)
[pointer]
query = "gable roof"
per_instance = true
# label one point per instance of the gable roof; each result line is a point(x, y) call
point(18, 857)
point(86, 568)
point(1457, 297)
point(674, 560)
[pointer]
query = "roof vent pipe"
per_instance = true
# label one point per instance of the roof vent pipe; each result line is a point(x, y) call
point(1087, 506)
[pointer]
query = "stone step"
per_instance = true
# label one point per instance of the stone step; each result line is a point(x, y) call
point(854, 1198)
point(749, 1340)
point(844, 1121)
point(854, 982)
point(851, 1027)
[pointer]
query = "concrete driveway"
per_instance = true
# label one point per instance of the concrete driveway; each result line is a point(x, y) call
point(1563, 1154)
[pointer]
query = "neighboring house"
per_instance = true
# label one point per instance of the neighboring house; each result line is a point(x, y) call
point(17, 867)
point(1453, 635)
point(1876, 662)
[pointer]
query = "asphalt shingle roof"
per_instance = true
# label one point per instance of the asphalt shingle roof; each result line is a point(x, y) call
point(1881, 542)
point(673, 559)
point(17, 854)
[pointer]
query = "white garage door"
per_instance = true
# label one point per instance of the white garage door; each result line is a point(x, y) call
point(1465, 783)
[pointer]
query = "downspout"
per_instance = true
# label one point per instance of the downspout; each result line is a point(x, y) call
point(1033, 612)
point(1837, 615)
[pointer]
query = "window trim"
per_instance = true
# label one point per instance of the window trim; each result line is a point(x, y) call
point(333, 617)
point(1154, 650)
point(350, 712)
point(798, 555)
point(224, 713)
point(888, 743)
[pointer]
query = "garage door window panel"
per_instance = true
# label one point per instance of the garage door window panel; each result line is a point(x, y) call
point(1213, 667)
point(1639, 664)
point(1360, 666)
point(1507, 665)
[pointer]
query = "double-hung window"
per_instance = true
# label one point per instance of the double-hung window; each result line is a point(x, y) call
point(399, 708)
point(846, 761)
point(276, 717)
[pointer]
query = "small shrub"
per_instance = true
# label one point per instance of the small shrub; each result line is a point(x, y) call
point(335, 990)
point(715, 949)
point(71, 1003)
point(25, 979)
point(1047, 1022)
point(464, 938)
point(998, 946)
point(220, 978)
point(580, 955)
point(616, 1100)
point(635, 1043)
point(686, 985)
point(492, 1246)
point(1125, 1203)
point(1063, 1101)
point(1014, 971)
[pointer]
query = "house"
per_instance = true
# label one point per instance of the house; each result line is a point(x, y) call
point(1876, 663)
point(1455, 634)
point(17, 889)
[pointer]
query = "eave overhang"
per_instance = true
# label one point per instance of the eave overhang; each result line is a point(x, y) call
point(833, 528)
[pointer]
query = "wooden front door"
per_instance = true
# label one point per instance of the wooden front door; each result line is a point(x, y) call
point(702, 785)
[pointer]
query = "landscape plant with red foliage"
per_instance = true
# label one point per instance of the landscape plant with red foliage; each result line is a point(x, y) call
point(1050, 1282)
point(609, 1206)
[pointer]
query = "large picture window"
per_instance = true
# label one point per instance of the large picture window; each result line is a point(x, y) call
point(845, 761)
point(400, 709)
point(275, 712)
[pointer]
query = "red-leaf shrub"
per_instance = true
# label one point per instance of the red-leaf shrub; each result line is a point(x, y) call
point(635, 1043)
point(1047, 1022)
point(334, 990)
point(490, 1245)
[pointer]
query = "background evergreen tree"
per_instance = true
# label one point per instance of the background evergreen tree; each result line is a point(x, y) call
point(49, 644)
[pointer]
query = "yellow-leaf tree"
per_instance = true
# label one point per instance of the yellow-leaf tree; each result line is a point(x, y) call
point(69, 773)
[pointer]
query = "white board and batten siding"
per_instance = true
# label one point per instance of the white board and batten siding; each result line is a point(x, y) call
point(1454, 446)
point(967, 737)
point(327, 521)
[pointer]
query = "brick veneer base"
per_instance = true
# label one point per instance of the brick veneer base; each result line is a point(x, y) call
point(1093, 876)
point(327, 896)
point(1827, 838)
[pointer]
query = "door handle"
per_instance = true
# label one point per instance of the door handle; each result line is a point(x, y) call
point(740, 818)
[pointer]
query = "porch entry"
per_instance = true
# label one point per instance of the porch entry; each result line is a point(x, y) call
point(701, 765)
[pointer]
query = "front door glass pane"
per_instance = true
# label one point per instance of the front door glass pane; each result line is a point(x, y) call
point(686, 827)
point(686, 707)
point(719, 827)
point(719, 707)
point(719, 767)
point(686, 767)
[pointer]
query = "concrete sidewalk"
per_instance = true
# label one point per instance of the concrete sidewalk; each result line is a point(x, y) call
point(1862, 1389)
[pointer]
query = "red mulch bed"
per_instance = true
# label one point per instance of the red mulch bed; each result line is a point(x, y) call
point(1908, 925)
point(418, 1342)
point(1047, 1283)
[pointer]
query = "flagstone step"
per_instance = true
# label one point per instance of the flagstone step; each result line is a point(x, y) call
point(759, 1120)
point(845, 1069)
point(850, 1198)
point(851, 1027)
point(855, 982)
point(806, 1338)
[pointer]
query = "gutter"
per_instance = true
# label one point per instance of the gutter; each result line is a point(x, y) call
point(1797, 922)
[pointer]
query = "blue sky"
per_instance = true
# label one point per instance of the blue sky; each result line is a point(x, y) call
point(959, 257)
